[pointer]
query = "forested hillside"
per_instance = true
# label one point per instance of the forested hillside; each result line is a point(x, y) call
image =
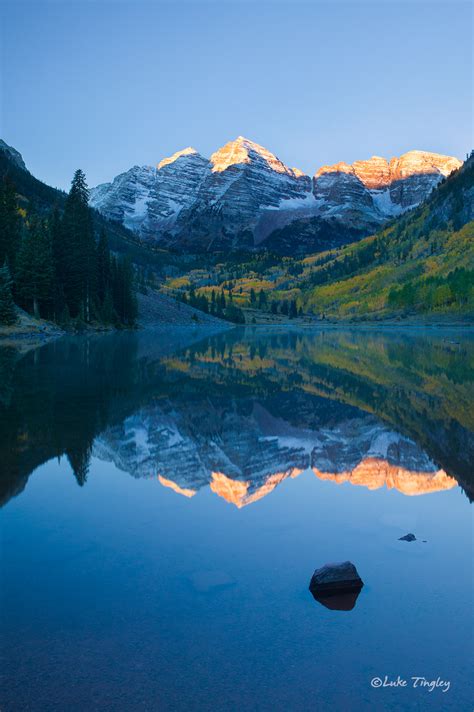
point(421, 264)
point(55, 260)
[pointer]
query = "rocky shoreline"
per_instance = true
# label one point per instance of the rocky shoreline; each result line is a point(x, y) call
point(28, 332)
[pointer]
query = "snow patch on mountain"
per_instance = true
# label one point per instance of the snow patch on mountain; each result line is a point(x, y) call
point(384, 204)
point(307, 201)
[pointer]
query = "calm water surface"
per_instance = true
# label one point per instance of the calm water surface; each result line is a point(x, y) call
point(167, 496)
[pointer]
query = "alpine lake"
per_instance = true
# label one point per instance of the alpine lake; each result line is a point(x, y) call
point(168, 494)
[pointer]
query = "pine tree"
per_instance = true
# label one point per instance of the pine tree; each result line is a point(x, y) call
point(80, 260)
point(103, 266)
point(131, 313)
point(65, 318)
point(123, 293)
point(108, 313)
point(57, 246)
point(7, 308)
point(10, 222)
point(56, 268)
point(35, 267)
point(233, 313)
point(222, 300)
point(203, 304)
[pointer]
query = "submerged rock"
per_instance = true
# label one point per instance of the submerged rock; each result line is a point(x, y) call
point(336, 586)
point(207, 581)
point(407, 537)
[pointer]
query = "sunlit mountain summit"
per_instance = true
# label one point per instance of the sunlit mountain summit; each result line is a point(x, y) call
point(244, 193)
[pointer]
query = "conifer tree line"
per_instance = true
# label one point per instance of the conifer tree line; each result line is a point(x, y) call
point(218, 305)
point(55, 267)
point(222, 306)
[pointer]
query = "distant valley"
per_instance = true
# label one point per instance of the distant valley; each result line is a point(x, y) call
point(418, 265)
point(243, 238)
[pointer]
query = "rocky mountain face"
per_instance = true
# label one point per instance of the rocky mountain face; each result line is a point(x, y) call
point(242, 455)
point(12, 155)
point(378, 189)
point(36, 197)
point(149, 200)
point(244, 195)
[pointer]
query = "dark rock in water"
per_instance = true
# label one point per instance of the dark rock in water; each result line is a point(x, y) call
point(339, 602)
point(336, 586)
point(408, 537)
point(336, 577)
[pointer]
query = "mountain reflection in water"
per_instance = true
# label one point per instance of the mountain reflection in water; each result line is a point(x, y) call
point(244, 410)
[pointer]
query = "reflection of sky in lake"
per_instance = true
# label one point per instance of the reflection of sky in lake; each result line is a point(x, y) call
point(123, 594)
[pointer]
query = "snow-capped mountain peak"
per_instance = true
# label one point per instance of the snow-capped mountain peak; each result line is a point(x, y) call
point(242, 151)
point(189, 151)
point(373, 190)
point(244, 192)
point(376, 172)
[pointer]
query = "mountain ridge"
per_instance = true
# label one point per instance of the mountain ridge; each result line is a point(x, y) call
point(36, 197)
point(420, 264)
point(243, 193)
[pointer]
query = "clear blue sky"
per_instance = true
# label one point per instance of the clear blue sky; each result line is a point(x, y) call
point(104, 85)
